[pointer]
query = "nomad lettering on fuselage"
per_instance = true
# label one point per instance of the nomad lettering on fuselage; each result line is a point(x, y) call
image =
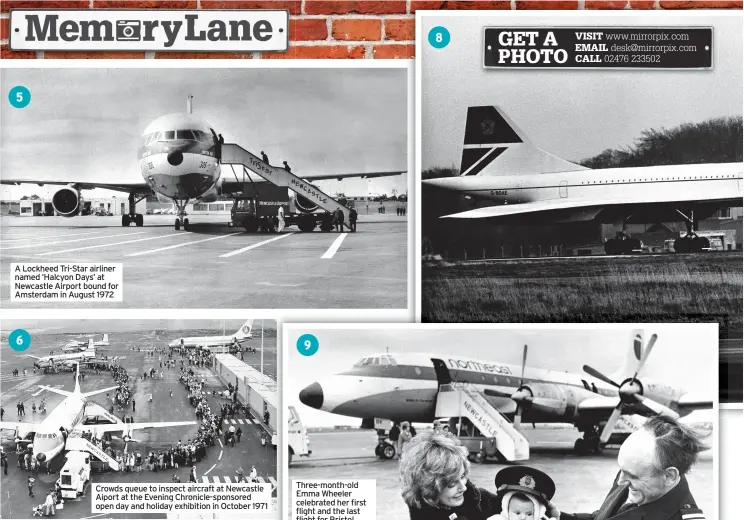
point(478, 366)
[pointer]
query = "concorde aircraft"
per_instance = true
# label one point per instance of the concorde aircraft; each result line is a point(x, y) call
point(75, 346)
point(67, 418)
point(510, 180)
point(177, 161)
point(240, 335)
point(403, 387)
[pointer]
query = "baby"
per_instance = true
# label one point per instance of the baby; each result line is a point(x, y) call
point(525, 493)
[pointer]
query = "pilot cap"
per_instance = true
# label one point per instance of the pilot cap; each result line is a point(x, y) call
point(527, 480)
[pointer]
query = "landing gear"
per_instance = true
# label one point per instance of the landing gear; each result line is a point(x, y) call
point(622, 244)
point(133, 216)
point(590, 443)
point(181, 221)
point(385, 448)
point(690, 243)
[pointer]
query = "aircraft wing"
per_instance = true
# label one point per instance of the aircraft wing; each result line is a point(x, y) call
point(232, 184)
point(504, 210)
point(599, 404)
point(128, 187)
point(22, 428)
point(105, 428)
point(692, 401)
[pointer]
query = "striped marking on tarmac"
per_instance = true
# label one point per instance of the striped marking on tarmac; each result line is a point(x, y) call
point(240, 421)
point(108, 244)
point(37, 244)
point(254, 246)
point(334, 247)
point(234, 480)
point(181, 245)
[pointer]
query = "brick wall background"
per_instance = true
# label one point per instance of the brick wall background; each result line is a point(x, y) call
point(344, 29)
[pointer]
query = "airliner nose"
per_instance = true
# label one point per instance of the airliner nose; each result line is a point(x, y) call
point(175, 158)
point(447, 183)
point(312, 396)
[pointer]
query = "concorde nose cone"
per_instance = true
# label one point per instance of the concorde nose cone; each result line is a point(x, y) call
point(446, 183)
point(312, 396)
point(175, 158)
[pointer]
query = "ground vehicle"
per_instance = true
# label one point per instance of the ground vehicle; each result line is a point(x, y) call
point(75, 474)
point(298, 441)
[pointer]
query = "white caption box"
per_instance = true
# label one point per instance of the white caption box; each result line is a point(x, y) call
point(184, 500)
point(77, 282)
point(314, 499)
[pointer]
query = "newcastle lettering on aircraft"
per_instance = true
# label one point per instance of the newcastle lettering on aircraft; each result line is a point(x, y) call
point(149, 30)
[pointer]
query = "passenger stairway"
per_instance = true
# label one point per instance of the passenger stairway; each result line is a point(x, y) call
point(464, 400)
point(236, 154)
point(80, 444)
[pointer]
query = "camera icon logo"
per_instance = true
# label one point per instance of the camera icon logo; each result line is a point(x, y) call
point(128, 30)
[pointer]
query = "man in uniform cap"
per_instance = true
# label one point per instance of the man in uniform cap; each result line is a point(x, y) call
point(651, 483)
point(524, 492)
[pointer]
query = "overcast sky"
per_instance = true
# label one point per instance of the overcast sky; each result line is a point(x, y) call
point(110, 326)
point(573, 114)
point(85, 124)
point(682, 354)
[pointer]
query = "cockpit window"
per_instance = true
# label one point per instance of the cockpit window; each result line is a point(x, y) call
point(201, 136)
point(170, 135)
point(184, 134)
point(359, 363)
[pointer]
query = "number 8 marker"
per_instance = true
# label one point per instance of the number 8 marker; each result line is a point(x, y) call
point(439, 37)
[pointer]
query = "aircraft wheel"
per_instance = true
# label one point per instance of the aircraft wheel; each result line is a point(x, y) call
point(388, 452)
point(185, 224)
point(178, 225)
point(250, 225)
point(139, 220)
point(580, 446)
point(632, 244)
point(682, 245)
point(698, 244)
point(125, 220)
point(609, 246)
point(378, 451)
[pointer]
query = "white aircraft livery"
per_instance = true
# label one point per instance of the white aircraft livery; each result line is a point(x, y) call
point(65, 360)
point(179, 162)
point(509, 179)
point(243, 333)
point(411, 387)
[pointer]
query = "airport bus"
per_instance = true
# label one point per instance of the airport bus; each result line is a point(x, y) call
point(297, 439)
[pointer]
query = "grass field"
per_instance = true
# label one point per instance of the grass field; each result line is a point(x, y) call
point(664, 288)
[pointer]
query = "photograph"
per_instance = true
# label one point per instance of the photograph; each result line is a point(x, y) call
point(598, 194)
point(443, 416)
point(274, 187)
point(134, 402)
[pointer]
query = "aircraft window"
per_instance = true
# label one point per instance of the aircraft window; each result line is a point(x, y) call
point(169, 135)
point(184, 134)
point(417, 370)
point(508, 380)
point(384, 361)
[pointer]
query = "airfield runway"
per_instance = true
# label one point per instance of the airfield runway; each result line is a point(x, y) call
point(213, 266)
point(220, 464)
point(581, 482)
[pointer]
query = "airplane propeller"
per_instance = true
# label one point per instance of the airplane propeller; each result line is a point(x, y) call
point(628, 392)
point(522, 395)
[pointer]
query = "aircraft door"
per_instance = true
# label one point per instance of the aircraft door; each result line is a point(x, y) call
point(564, 189)
point(442, 372)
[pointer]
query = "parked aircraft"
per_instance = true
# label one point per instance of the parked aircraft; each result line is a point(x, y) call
point(75, 346)
point(407, 387)
point(242, 334)
point(510, 180)
point(65, 360)
point(178, 161)
point(67, 418)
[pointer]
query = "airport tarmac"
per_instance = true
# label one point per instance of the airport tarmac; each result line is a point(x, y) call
point(214, 266)
point(582, 482)
point(221, 462)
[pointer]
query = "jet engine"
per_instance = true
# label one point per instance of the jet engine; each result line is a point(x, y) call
point(545, 399)
point(303, 205)
point(67, 202)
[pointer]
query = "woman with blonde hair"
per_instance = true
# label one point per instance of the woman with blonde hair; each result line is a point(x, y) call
point(435, 484)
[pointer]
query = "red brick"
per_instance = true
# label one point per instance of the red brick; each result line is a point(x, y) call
point(317, 52)
point(7, 54)
point(358, 7)
point(400, 29)
point(294, 6)
point(700, 4)
point(83, 55)
point(547, 4)
point(7, 5)
point(384, 52)
point(605, 4)
point(422, 5)
point(203, 55)
point(357, 30)
point(144, 4)
point(642, 4)
point(4, 28)
point(311, 29)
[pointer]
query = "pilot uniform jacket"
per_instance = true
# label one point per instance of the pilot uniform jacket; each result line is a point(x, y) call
point(677, 504)
point(479, 504)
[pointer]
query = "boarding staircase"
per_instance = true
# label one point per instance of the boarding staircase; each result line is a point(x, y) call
point(80, 444)
point(465, 400)
point(236, 154)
